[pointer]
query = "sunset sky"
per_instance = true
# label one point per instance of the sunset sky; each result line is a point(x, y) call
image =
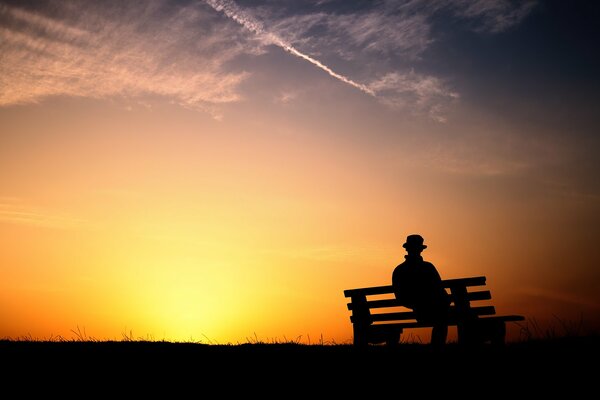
point(222, 171)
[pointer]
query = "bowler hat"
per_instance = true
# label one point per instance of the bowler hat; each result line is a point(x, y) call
point(414, 241)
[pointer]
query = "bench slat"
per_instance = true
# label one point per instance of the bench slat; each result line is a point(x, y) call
point(479, 295)
point(376, 304)
point(408, 315)
point(415, 324)
point(384, 303)
point(387, 322)
point(472, 281)
point(448, 283)
point(369, 291)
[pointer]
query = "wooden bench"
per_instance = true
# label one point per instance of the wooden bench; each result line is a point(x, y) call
point(377, 317)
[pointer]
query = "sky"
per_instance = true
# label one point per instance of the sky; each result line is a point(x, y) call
point(221, 171)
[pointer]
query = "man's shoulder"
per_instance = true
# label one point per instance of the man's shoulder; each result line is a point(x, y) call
point(430, 268)
point(399, 270)
point(401, 266)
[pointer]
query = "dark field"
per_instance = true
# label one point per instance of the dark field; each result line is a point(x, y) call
point(130, 368)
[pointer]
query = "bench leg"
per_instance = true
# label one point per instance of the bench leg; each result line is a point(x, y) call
point(393, 339)
point(361, 335)
point(366, 334)
point(464, 334)
point(498, 333)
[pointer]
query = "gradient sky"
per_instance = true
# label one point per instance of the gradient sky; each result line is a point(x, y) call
point(220, 172)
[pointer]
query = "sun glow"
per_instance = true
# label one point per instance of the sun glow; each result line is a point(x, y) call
point(209, 171)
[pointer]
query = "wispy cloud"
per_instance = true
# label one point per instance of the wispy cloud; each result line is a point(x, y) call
point(184, 51)
point(399, 27)
point(15, 211)
point(495, 151)
point(381, 42)
point(286, 97)
point(331, 252)
point(350, 34)
point(119, 49)
point(491, 15)
point(373, 31)
point(412, 90)
point(563, 297)
point(231, 9)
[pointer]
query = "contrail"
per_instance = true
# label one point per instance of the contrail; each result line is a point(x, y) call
point(231, 10)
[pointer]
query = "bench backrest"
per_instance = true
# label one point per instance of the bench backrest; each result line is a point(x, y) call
point(361, 303)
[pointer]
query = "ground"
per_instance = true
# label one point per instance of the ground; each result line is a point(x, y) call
point(286, 370)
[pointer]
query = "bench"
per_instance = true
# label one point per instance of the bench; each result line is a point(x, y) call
point(377, 317)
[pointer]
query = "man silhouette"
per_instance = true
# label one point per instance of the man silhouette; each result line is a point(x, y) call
point(418, 285)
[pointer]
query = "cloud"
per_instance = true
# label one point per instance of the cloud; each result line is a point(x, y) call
point(121, 49)
point(398, 27)
point(382, 42)
point(558, 296)
point(493, 150)
point(184, 52)
point(470, 160)
point(491, 15)
point(286, 97)
point(15, 211)
point(231, 10)
point(409, 89)
point(348, 35)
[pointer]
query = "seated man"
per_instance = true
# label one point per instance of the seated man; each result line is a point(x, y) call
point(418, 285)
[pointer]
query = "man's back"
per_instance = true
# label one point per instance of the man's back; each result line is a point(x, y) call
point(417, 283)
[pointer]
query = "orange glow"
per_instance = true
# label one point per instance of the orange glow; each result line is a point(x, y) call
point(210, 238)
point(218, 189)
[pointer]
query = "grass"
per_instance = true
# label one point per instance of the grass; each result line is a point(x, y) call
point(529, 331)
point(283, 369)
point(545, 362)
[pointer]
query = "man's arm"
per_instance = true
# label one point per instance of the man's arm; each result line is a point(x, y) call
point(435, 275)
point(400, 288)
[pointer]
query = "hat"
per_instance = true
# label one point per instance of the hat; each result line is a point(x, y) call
point(414, 241)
